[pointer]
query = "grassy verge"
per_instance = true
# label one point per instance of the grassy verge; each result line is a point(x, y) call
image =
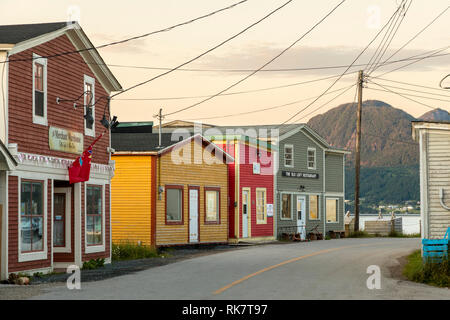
point(395, 234)
point(436, 274)
point(360, 234)
point(132, 251)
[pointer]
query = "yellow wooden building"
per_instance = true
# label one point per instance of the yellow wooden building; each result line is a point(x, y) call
point(172, 194)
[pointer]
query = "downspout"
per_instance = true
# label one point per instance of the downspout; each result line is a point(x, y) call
point(441, 199)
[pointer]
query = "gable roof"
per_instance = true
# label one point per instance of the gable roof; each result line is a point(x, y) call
point(6, 157)
point(13, 34)
point(26, 36)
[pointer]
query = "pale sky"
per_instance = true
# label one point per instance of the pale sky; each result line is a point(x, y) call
point(337, 41)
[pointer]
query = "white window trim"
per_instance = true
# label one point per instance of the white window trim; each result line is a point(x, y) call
point(315, 158)
point(68, 247)
point(284, 155)
point(318, 207)
point(264, 221)
point(90, 80)
point(38, 255)
point(99, 248)
point(337, 210)
point(38, 119)
point(281, 207)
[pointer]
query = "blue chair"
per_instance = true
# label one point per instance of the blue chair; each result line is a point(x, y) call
point(436, 250)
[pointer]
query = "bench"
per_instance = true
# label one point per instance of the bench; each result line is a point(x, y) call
point(435, 250)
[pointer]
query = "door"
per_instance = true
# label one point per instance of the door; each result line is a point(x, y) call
point(301, 217)
point(245, 213)
point(59, 220)
point(193, 214)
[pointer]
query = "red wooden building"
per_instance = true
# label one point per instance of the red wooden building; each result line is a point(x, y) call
point(251, 188)
point(54, 94)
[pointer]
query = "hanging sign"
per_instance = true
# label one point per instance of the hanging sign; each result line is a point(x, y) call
point(300, 175)
point(65, 140)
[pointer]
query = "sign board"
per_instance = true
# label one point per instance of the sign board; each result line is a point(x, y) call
point(256, 168)
point(270, 210)
point(65, 140)
point(300, 175)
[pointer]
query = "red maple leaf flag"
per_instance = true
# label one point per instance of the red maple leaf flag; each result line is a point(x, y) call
point(80, 169)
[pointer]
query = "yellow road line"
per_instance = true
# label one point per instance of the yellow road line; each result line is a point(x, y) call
point(219, 291)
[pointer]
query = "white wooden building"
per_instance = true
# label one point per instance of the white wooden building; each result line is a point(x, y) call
point(434, 141)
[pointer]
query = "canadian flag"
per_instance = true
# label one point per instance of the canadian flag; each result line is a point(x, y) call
point(80, 169)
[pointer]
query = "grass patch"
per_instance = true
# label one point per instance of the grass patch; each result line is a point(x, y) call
point(395, 234)
point(132, 251)
point(436, 274)
point(360, 234)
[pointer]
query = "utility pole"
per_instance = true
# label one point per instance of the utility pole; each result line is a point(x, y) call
point(358, 147)
point(160, 117)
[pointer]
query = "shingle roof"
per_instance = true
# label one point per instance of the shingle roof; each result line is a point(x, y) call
point(141, 141)
point(16, 33)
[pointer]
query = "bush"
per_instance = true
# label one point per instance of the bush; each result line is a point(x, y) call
point(93, 264)
point(130, 251)
point(437, 274)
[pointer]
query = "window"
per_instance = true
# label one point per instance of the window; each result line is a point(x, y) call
point(39, 90)
point(32, 216)
point(59, 220)
point(261, 213)
point(311, 158)
point(174, 204)
point(94, 215)
point(332, 206)
point(212, 203)
point(313, 207)
point(288, 155)
point(89, 102)
point(286, 206)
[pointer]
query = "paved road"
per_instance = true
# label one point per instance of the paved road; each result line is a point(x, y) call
point(334, 269)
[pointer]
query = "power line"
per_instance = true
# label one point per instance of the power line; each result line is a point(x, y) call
point(419, 91)
point(207, 51)
point(264, 65)
point(412, 95)
point(357, 57)
point(412, 84)
point(133, 38)
point(265, 109)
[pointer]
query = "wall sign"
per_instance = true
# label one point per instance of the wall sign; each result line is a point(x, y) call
point(305, 175)
point(270, 210)
point(65, 140)
point(256, 168)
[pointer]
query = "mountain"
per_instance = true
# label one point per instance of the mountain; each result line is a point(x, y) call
point(385, 133)
point(435, 115)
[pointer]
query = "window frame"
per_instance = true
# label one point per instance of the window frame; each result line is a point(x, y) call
point(181, 188)
point(318, 207)
point(68, 215)
point(292, 155)
point(217, 189)
point(93, 248)
point(337, 209)
point(315, 158)
point(89, 80)
point(281, 206)
point(42, 120)
point(32, 255)
point(258, 221)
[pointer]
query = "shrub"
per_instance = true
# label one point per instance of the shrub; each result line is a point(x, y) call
point(433, 273)
point(93, 264)
point(130, 251)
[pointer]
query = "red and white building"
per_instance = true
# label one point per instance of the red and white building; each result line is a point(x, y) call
point(46, 91)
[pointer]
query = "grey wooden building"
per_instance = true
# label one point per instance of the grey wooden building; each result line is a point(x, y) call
point(310, 183)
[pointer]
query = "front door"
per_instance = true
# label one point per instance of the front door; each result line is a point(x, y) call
point(193, 214)
point(59, 220)
point(301, 217)
point(245, 213)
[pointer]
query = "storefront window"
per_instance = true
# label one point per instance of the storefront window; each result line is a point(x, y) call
point(286, 206)
point(94, 215)
point(261, 214)
point(212, 205)
point(313, 207)
point(32, 216)
point(174, 204)
point(332, 210)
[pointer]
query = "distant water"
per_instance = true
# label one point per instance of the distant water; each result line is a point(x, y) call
point(410, 222)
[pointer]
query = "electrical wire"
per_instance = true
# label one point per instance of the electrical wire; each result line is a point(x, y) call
point(412, 95)
point(418, 91)
point(412, 84)
point(132, 38)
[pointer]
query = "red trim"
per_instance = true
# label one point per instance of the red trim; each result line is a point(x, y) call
point(211, 189)
point(174, 186)
point(154, 199)
point(198, 212)
point(63, 220)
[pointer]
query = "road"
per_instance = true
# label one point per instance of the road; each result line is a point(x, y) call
point(333, 269)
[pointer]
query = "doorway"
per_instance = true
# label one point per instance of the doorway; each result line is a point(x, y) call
point(193, 213)
point(62, 220)
point(301, 216)
point(245, 211)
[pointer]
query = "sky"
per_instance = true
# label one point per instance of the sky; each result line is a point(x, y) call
point(336, 41)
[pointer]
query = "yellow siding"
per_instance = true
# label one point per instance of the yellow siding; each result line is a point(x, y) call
point(131, 199)
point(210, 175)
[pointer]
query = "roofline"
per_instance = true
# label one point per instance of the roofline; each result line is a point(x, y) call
point(242, 138)
point(427, 125)
point(10, 161)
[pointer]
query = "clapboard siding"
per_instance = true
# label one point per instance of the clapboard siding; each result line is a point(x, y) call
point(209, 175)
point(131, 199)
point(334, 179)
point(65, 79)
point(438, 162)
